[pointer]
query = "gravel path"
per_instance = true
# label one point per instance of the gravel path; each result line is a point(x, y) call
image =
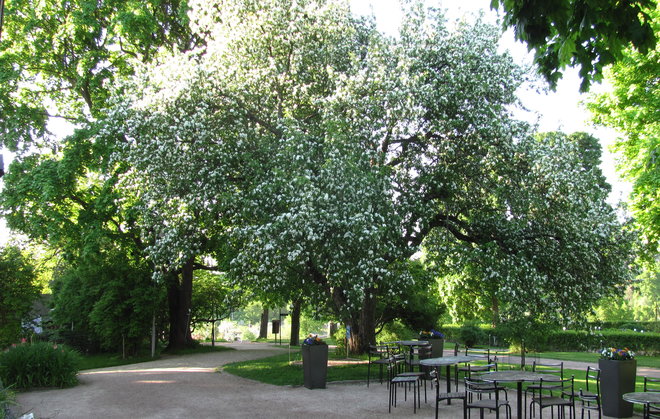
point(191, 387)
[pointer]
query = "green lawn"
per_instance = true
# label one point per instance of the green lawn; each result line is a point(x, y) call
point(104, 360)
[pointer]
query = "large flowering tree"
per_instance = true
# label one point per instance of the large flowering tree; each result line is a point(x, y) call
point(325, 155)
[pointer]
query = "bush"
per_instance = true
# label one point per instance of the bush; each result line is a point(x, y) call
point(395, 331)
point(6, 400)
point(470, 335)
point(41, 364)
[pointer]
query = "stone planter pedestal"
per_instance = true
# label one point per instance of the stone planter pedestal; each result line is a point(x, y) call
point(315, 365)
point(616, 379)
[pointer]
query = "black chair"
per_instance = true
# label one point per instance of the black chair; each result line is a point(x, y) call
point(545, 368)
point(378, 355)
point(652, 410)
point(475, 400)
point(565, 397)
point(590, 395)
point(484, 365)
point(405, 381)
point(439, 397)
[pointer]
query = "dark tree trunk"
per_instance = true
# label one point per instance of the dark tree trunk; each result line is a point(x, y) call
point(263, 328)
point(496, 312)
point(363, 328)
point(294, 340)
point(179, 294)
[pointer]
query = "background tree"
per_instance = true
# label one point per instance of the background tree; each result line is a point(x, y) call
point(18, 292)
point(591, 34)
point(59, 61)
point(632, 108)
point(106, 301)
point(213, 299)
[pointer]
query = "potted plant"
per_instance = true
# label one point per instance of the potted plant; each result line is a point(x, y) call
point(315, 362)
point(618, 370)
point(437, 340)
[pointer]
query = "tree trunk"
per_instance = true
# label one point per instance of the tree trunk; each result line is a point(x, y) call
point(363, 328)
point(294, 340)
point(496, 312)
point(263, 328)
point(179, 294)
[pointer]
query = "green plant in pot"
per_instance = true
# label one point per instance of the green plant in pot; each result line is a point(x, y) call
point(618, 370)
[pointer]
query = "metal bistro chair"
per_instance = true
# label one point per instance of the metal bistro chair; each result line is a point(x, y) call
point(378, 355)
point(590, 396)
point(403, 379)
point(545, 368)
point(475, 399)
point(652, 410)
point(484, 365)
point(424, 373)
point(565, 398)
point(442, 396)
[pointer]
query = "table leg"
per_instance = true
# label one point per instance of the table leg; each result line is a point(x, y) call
point(519, 407)
point(449, 382)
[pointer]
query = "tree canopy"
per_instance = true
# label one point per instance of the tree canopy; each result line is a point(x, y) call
point(328, 154)
point(633, 109)
point(591, 34)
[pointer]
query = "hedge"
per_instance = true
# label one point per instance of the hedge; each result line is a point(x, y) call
point(573, 340)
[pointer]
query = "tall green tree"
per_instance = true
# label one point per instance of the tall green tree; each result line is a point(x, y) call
point(632, 108)
point(333, 154)
point(18, 292)
point(60, 61)
point(591, 34)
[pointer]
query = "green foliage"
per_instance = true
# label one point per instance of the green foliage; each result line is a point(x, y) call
point(18, 292)
point(470, 334)
point(590, 33)
point(41, 364)
point(631, 108)
point(105, 301)
point(7, 398)
point(214, 298)
point(394, 331)
point(534, 334)
point(419, 305)
point(575, 340)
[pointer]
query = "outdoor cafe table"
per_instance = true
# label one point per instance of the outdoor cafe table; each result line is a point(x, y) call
point(643, 397)
point(517, 376)
point(411, 344)
point(447, 361)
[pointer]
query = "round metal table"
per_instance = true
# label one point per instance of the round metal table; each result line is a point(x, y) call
point(447, 361)
point(643, 397)
point(518, 377)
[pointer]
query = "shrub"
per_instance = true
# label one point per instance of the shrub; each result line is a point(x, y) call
point(41, 364)
point(6, 400)
point(395, 331)
point(470, 335)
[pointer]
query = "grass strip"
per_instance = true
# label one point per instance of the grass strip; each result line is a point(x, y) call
point(105, 360)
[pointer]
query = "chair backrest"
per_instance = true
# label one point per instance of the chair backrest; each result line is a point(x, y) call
point(549, 367)
point(593, 377)
point(476, 387)
point(652, 384)
point(481, 353)
point(378, 351)
point(424, 351)
point(567, 386)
